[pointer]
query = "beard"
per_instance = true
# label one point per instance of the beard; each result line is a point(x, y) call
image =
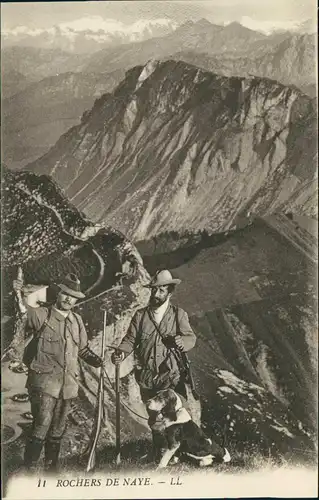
point(156, 302)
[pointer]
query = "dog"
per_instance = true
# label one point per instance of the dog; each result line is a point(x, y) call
point(181, 432)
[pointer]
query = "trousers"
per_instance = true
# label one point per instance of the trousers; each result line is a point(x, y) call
point(49, 415)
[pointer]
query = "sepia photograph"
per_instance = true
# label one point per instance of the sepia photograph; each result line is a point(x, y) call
point(159, 212)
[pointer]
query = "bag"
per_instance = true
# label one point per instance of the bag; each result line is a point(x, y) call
point(31, 349)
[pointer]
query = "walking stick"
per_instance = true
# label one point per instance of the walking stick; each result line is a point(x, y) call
point(99, 408)
point(118, 415)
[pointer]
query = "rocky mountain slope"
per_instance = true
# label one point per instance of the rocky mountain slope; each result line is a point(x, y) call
point(35, 118)
point(175, 147)
point(250, 303)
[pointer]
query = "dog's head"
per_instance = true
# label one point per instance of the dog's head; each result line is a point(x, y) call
point(165, 402)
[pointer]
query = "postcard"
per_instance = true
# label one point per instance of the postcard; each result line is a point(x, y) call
point(159, 249)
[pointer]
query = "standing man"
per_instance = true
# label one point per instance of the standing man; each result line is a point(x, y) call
point(59, 339)
point(158, 334)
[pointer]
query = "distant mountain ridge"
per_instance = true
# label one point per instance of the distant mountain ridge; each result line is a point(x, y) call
point(37, 63)
point(175, 147)
point(290, 62)
point(34, 119)
point(87, 35)
point(231, 50)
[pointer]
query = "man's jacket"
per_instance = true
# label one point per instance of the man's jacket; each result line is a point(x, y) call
point(57, 344)
point(158, 366)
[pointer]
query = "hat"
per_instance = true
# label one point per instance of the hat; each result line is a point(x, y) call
point(163, 278)
point(71, 286)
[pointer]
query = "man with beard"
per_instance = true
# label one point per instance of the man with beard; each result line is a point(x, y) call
point(59, 339)
point(158, 334)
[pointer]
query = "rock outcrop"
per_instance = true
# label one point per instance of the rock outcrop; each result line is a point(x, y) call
point(175, 148)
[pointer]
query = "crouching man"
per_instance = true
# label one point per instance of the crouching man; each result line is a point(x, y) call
point(52, 356)
point(157, 335)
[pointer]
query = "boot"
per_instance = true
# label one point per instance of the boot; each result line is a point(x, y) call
point(51, 454)
point(32, 453)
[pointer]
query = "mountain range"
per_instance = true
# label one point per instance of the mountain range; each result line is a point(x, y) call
point(231, 50)
point(290, 61)
point(233, 40)
point(86, 35)
point(89, 34)
point(175, 147)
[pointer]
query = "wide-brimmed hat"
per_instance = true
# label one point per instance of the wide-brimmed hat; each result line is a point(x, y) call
point(163, 278)
point(72, 286)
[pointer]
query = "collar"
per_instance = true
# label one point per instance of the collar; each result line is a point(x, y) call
point(62, 315)
point(161, 310)
point(182, 417)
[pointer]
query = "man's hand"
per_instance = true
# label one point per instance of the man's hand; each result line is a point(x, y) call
point(17, 285)
point(117, 357)
point(179, 341)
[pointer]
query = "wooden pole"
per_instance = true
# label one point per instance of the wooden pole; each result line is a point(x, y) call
point(118, 415)
point(99, 407)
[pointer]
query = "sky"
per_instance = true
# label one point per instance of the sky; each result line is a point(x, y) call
point(48, 14)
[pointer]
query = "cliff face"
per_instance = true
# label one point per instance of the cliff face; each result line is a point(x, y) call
point(175, 147)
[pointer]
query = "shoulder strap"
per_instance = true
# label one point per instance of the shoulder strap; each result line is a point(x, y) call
point(176, 319)
point(76, 319)
point(138, 333)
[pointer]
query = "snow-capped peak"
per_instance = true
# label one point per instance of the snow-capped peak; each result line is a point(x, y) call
point(269, 27)
point(89, 33)
point(108, 25)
